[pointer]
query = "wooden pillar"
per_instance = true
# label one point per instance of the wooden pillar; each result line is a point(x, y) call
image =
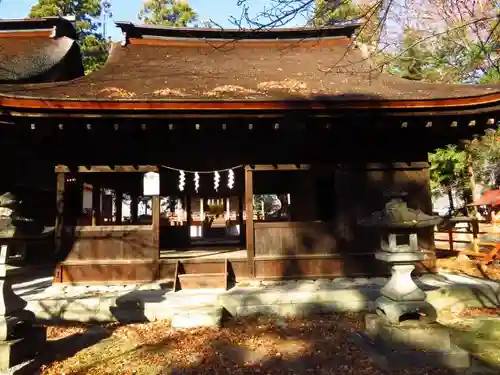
point(118, 206)
point(59, 224)
point(240, 219)
point(202, 210)
point(96, 205)
point(189, 217)
point(227, 208)
point(155, 216)
point(249, 220)
point(134, 207)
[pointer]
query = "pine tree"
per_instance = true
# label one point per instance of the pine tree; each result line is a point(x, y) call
point(174, 13)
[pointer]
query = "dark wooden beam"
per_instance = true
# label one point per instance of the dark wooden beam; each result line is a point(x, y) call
point(109, 169)
point(281, 167)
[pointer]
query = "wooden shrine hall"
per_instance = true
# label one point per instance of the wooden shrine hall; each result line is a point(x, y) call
point(210, 156)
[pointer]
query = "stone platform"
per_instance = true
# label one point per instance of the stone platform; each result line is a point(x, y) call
point(410, 344)
point(287, 298)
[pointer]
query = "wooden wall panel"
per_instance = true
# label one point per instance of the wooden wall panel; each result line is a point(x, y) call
point(116, 242)
point(310, 267)
point(294, 238)
point(297, 268)
point(108, 272)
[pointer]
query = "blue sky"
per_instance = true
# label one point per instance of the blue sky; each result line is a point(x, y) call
point(219, 11)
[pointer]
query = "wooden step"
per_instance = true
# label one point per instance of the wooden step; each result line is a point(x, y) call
point(202, 281)
point(211, 280)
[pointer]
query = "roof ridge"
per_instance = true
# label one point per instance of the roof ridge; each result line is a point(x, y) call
point(132, 30)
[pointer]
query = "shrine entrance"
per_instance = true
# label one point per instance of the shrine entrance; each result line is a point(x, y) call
point(201, 226)
point(203, 213)
point(215, 221)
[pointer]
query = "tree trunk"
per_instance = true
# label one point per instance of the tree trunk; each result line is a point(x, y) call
point(450, 199)
point(475, 195)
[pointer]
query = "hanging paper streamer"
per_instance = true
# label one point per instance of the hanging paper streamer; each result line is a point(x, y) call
point(230, 179)
point(216, 180)
point(196, 181)
point(182, 180)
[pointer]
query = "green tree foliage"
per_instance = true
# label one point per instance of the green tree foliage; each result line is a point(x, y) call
point(87, 14)
point(492, 76)
point(332, 12)
point(174, 13)
point(442, 59)
point(449, 171)
point(414, 59)
point(458, 49)
point(485, 153)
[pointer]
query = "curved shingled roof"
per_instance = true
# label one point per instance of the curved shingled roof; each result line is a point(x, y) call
point(158, 64)
point(38, 50)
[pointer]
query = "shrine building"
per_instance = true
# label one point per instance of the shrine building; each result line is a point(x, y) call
point(218, 156)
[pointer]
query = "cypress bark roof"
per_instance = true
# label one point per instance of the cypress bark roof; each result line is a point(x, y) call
point(160, 64)
point(38, 50)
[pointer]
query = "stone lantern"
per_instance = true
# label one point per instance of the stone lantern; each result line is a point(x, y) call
point(404, 330)
point(398, 226)
point(20, 340)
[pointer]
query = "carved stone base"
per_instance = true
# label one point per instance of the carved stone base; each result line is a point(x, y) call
point(16, 351)
point(410, 345)
point(396, 311)
point(401, 286)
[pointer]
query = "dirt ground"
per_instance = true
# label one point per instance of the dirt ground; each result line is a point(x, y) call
point(316, 345)
point(465, 266)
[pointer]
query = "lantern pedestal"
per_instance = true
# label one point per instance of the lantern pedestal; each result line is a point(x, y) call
point(401, 298)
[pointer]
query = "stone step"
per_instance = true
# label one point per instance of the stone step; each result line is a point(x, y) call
point(194, 317)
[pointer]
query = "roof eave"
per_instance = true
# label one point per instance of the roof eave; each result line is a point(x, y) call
point(487, 104)
point(132, 30)
point(59, 26)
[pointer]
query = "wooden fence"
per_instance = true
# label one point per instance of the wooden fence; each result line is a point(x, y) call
point(469, 237)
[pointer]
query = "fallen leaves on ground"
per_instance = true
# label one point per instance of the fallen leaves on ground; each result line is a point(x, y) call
point(472, 312)
point(469, 267)
point(57, 332)
point(315, 345)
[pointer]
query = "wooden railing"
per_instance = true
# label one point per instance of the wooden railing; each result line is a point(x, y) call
point(469, 237)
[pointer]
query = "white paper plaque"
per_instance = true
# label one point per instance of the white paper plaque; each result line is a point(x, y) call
point(151, 184)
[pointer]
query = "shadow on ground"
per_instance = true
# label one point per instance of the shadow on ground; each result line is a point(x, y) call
point(316, 339)
point(267, 345)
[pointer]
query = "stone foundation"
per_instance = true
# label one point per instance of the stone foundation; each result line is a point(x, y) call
point(410, 344)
